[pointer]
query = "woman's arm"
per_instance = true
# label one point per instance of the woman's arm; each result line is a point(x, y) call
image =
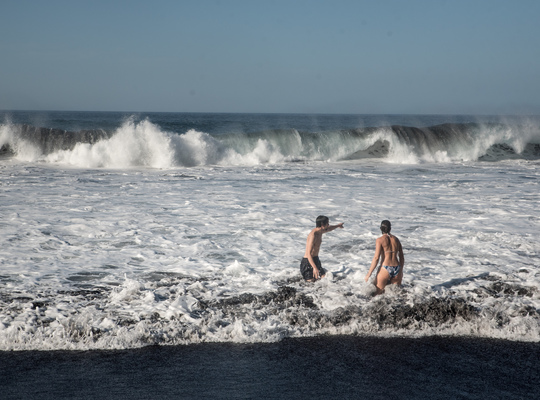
point(378, 253)
point(401, 257)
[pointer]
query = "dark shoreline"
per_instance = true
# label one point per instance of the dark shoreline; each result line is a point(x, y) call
point(320, 367)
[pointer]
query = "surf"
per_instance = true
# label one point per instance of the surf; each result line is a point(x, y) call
point(142, 143)
point(107, 257)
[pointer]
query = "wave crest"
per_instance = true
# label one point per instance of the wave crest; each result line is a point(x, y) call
point(145, 144)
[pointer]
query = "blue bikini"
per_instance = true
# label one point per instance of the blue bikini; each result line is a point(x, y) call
point(392, 271)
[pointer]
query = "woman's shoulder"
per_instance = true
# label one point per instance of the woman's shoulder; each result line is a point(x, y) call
point(383, 239)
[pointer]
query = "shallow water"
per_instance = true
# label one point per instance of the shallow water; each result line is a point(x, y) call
point(125, 257)
point(103, 258)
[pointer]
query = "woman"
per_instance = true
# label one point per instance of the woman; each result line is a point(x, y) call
point(388, 250)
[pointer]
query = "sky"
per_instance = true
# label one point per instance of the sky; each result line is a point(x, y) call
point(264, 56)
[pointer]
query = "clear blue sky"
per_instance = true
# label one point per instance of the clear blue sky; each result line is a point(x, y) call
point(294, 56)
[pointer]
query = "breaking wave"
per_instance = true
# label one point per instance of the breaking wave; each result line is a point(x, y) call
point(145, 144)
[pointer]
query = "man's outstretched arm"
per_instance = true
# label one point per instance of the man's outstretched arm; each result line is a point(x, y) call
point(332, 227)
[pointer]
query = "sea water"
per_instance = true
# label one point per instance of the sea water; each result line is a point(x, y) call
point(124, 230)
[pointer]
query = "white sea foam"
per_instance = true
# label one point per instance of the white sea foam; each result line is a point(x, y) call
point(125, 257)
point(150, 237)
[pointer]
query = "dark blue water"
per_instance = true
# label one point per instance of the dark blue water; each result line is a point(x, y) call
point(316, 368)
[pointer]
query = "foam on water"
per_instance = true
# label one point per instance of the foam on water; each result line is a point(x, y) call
point(123, 258)
point(141, 143)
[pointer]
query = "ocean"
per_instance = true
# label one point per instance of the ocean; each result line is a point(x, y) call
point(156, 255)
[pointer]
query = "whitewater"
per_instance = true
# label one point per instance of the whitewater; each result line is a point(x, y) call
point(123, 231)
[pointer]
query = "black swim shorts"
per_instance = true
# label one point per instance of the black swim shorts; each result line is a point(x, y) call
point(307, 270)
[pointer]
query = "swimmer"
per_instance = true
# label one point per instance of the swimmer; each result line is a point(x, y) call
point(387, 249)
point(310, 267)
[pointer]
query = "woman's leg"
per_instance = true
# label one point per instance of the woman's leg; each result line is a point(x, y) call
point(397, 280)
point(382, 280)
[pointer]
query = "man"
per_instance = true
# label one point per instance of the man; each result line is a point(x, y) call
point(310, 267)
point(389, 251)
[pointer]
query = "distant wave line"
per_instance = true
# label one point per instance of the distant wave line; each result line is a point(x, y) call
point(395, 143)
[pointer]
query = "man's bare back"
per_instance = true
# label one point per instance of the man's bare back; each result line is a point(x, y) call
point(313, 243)
point(310, 266)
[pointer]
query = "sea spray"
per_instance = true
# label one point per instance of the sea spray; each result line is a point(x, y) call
point(145, 144)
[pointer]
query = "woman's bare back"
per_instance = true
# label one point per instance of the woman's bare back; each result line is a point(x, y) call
point(391, 247)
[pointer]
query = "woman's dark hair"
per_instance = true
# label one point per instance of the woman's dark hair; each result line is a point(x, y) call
point(321, 221)
point(386, 226)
